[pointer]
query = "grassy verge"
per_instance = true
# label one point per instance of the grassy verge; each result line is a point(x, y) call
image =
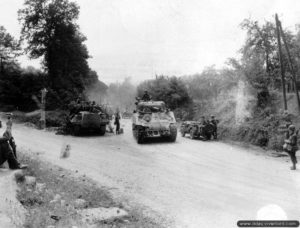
point(55, 118)
point(52, 202)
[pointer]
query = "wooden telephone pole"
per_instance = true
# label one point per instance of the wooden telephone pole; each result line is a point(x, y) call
point(281, 62)
point(290, 64)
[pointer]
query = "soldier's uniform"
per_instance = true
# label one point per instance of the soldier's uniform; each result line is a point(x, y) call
point(291, 145)
point(11, 141)
point(214, 123)
point(146, 96)
point(6, 154)
point(117, 123)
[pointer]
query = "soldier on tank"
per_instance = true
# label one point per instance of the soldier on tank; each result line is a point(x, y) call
point(290, 146)
point(146, 96)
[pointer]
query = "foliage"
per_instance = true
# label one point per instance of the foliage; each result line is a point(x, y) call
point(9, 47)
point(20, 87)
point(211, 82)
point(260, 59)
point(172, 91)
point(121, 96)
point(51, 32)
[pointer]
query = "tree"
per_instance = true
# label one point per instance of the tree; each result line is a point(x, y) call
point(9, 49)
point(260, 50)
point(50, 30)
point(172, 91)
point(122, 95)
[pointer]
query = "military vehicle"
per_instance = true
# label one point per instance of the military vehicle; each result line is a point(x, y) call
point(197, 130)
point(85, 121)
point(151, 119)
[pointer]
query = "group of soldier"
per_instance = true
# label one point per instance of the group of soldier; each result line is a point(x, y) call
point(212, 122)
point(79, 105)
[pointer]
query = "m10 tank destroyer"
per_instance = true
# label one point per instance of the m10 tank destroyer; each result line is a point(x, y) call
point(152, 119)
point(85, 121)
point(86, 117)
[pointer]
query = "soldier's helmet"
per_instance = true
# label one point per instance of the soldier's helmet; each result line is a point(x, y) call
point(292, 127)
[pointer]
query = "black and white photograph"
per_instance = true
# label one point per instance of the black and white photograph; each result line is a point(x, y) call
point(149, 113)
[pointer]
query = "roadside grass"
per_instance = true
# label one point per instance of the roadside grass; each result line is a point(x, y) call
point(52, 202)
point(55, 118)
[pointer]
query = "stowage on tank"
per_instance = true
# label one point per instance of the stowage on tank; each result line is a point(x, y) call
point(151, 119)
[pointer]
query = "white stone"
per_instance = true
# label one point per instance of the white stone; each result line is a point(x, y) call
point(80, 203)
point(30, 181)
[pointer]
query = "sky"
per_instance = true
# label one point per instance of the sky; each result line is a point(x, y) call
point(142, 38)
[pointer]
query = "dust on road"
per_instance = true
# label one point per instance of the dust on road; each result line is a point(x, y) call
point(193, 183)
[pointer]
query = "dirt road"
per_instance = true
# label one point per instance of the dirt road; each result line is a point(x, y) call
point(193, 183)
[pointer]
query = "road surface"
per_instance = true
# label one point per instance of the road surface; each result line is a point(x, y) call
point(190, 182)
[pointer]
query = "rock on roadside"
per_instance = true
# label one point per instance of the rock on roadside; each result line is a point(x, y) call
point(12, 213)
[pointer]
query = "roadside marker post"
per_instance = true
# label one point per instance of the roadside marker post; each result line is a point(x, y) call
point(43, 111)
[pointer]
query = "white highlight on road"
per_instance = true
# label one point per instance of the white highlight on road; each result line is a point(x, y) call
point(271, 212)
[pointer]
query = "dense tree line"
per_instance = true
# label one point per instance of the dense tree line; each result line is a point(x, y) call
point(50, 32)
point(172, 90)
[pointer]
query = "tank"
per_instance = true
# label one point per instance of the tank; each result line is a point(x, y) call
point(151, 119)
point(85, 121)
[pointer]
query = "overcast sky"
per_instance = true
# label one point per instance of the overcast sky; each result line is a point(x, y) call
point(141, 38)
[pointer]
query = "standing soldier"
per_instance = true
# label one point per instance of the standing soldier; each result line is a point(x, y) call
point(290, 145)
point(203, 121)
point(214, 123)
point(8, 134)
point(117, 122)
point(9, 122)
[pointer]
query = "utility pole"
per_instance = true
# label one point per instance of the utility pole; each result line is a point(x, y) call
point(1, 65)
point(281, 63)
point(290, 65)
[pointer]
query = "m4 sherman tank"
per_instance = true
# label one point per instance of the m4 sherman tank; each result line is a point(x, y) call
point(151, 119)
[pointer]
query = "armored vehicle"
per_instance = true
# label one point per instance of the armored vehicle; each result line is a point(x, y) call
point(151, 119)
point(197, 129)
point(85, 121)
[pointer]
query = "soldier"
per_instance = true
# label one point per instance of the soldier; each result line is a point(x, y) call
point(290, 145)
point(11, 142)
point(117, 122)
point(9, 122)
point(8, 133)
point(214, 123)
point(203, 121)
point(146, 96)
point(6, 154)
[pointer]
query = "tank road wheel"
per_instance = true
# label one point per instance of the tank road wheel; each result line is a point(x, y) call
point(173, 131)
point(193, 132)
point(102, 130)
